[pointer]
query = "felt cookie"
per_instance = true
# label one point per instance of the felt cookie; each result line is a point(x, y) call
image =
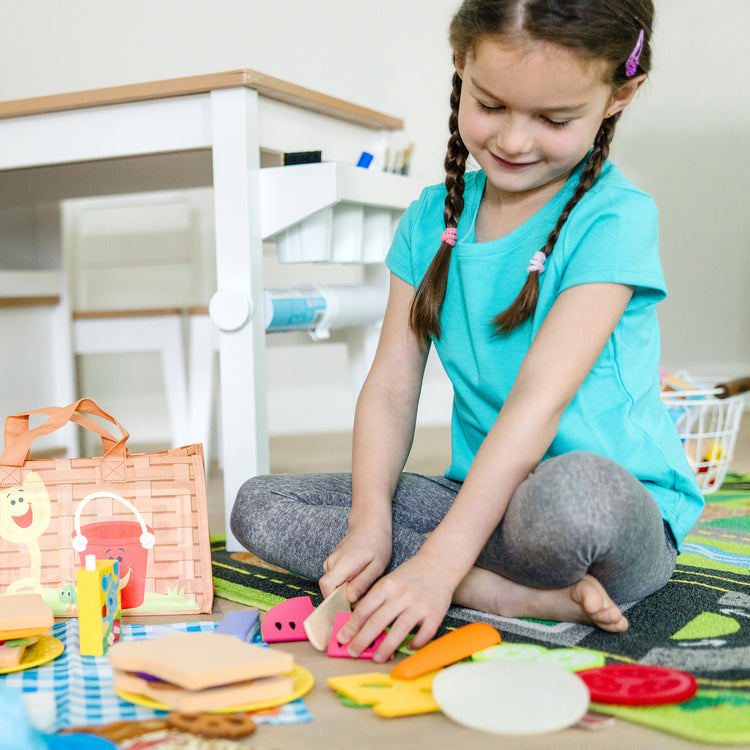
point(224, 726)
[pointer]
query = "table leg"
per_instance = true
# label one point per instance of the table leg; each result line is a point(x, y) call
point(237, 306)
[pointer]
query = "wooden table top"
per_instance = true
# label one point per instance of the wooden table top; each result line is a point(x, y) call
point(266, 86)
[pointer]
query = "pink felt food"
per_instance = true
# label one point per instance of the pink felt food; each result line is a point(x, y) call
point(283, 622)
point(339, 650)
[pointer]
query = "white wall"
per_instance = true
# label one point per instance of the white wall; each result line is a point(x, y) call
point(685, 140)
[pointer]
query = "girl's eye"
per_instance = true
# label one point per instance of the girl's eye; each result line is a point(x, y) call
point(556, 123)
point(487, 108)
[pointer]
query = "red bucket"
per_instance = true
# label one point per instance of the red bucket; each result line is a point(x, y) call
point(125, 541)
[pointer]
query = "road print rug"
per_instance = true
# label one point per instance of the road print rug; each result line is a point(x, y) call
point(699, 622)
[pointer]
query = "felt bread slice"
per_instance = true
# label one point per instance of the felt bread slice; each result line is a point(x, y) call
point(23, 615)
point(11, 652)
point(195, 661)
point(210, 699)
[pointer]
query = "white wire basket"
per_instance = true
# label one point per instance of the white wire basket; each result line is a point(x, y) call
point(707, 417)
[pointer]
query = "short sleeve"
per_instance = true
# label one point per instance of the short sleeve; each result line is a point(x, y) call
point(613, 236)
point(399, 257)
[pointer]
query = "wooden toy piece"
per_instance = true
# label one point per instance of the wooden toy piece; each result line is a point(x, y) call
point(209, 699)
point(506, 697)
point(319, 624)
point(99, 604)
point(389, 697)
point(11, 652)
point(23, 615)
point(200, 660)
point(242, 624)
point(285, 621)
point(452, 647)
point(339, 650)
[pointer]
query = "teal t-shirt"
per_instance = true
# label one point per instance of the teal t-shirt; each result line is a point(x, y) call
point(610, 236)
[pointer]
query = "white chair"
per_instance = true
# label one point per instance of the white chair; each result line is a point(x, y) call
point(133, 331)
point(134, 264)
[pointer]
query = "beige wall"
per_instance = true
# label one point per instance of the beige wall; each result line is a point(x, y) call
point(686, 139)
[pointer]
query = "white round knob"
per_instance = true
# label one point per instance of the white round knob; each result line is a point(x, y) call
point(230, 309)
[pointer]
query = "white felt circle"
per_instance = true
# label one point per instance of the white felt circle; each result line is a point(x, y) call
point(511, 697)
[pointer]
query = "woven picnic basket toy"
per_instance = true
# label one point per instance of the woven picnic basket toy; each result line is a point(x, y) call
point(146, 510)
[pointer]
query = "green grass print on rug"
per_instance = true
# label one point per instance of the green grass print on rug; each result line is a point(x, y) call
point(699, 622)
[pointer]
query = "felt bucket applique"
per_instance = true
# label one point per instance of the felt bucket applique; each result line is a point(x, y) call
point(128, 542)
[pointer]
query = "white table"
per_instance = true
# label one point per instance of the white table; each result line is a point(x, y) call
point(177, 133)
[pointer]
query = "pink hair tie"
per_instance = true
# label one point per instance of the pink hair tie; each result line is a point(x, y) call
point(537, 262)
point(450, 235)
point(631, 65)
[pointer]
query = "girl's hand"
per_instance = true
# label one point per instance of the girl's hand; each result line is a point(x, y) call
point(413, 594)
point(360, 558)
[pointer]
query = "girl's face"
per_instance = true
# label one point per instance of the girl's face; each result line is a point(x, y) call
point(530, 112)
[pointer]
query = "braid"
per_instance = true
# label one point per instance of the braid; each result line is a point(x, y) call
point(424, 316)
point(524, 305)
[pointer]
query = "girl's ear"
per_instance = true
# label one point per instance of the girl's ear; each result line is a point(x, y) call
point(624, 95)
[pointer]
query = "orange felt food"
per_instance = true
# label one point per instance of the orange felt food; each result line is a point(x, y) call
point(452, 647)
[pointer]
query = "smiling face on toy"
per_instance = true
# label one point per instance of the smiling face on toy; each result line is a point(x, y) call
point(118, 554)
point(24, 510)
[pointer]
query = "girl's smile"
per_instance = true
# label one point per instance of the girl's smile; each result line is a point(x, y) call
point(512, 165)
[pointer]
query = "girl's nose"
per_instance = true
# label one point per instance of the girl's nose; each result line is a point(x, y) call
point(513, 137)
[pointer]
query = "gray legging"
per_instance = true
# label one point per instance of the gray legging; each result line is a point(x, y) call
point(575, 514)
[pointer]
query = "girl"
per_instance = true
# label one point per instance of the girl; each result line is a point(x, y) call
point(535, 278)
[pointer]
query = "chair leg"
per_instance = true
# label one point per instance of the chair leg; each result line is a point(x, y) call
point(202, 382)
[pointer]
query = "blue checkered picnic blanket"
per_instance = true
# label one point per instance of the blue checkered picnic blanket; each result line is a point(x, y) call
point(81, 686)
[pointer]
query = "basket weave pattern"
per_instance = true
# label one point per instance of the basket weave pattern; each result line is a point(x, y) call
point(167, 489)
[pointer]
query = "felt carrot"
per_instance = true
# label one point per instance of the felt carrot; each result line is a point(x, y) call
point(452, 647)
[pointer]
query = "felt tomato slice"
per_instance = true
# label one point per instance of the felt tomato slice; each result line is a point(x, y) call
point(638, 685)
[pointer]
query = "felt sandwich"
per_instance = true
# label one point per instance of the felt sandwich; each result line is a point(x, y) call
point(192, 672)
point(23, 619)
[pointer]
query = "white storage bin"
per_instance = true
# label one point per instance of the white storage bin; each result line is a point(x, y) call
point(332, 213)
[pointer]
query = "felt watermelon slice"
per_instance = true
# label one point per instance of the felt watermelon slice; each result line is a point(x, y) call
point(283, 622)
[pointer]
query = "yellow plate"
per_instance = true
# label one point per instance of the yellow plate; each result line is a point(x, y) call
point(44, 650)
point(302, 681)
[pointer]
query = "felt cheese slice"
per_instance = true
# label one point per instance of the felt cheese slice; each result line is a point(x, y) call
point(388, 697)
point(210, 699)
point(195, 661)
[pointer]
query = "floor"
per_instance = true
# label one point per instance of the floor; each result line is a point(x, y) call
point(334, 726)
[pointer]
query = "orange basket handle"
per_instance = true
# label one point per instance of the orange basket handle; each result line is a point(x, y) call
point(19, 438)
point(733, 387)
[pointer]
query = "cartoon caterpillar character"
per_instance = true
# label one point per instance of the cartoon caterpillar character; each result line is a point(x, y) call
point(25, 513)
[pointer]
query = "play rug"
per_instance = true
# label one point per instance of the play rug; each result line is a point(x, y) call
point(699, 622)
point(81, 686)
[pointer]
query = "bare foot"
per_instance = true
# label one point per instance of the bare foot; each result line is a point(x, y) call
point(585, 601)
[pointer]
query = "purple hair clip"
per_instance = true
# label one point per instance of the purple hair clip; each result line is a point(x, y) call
point(631, 65)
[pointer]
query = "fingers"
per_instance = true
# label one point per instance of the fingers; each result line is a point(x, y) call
point(376, 612)
point(363, 581)
point(361, 571)
point(329, 582)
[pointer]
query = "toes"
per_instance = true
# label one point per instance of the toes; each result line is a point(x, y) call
point(597, 605)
